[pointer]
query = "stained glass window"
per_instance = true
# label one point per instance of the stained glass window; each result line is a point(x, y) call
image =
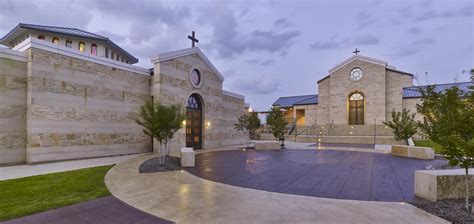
point(94, 49)
point(193, 102)
point(55, 40)
point(356, 109)
point(195, 77)
point(41, 37)
point(82, 46)
point(69, 43)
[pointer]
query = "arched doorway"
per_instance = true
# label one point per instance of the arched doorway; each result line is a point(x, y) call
point(356, 108)
point(194, 122)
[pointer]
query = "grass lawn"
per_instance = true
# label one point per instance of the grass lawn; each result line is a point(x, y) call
point(29, 195)
point(429, 143)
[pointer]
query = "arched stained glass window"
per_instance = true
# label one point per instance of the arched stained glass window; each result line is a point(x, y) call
point(94, 49)
point(193, 102)
point(69, 43)
point(356, 109)
point(41, 37)
point(82, 46)
point(55, 40)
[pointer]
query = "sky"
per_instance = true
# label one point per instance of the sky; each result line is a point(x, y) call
point(271, 48)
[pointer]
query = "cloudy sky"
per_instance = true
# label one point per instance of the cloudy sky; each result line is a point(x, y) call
point(271, 48)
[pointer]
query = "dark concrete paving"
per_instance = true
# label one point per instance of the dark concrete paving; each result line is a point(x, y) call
point(101, 211)
point(348, 145)
point(319, 173)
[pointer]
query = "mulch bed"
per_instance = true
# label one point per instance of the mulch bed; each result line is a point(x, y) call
point(451, 210)
point(153, 165)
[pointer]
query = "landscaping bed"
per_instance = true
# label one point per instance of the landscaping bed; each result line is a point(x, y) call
point(451, 210)
point(29, 195)
point(153, 165)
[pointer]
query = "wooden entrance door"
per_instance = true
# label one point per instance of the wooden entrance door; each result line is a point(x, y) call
point(194, 122)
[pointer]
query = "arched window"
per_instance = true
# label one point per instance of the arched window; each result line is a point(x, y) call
point(106, 52)
point(82, 46)
point(356, 109)
point(69, 43)
point(55, 40)
point(94, 49)
point(41, 37)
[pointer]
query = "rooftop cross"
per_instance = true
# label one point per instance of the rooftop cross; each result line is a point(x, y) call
point(193, 39)
point(356, 51)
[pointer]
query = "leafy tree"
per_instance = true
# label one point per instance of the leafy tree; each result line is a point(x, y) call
point(448, 119)
point(403, 124)
point(277, 122)
point(160, 122)
point(248, 123)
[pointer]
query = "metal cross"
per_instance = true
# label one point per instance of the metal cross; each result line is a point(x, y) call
point(356, 51)
point(193, 39)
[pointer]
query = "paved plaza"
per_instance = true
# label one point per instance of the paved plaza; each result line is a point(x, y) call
point(182, 197)
point(319, 173)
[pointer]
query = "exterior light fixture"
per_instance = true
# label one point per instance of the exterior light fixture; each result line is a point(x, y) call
point(250, 110)
point(208, 124)
point(351, 132)
point(184, 122)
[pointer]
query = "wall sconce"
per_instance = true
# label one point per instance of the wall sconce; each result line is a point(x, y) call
point(184, 122)
point(208, 124)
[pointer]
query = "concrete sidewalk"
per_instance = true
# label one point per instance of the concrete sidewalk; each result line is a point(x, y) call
point(13, 172)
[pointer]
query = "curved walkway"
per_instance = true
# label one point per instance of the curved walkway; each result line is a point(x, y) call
point(184, 198)
point(319, 173)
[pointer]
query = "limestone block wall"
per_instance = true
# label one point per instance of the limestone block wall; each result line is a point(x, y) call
point(394, 83)
point(12, 107)
point(78, 109)
point(410, 104)
point(171, 85)
point(232, 108)
point(324, 92)
point(372, 85)
point(310, 114)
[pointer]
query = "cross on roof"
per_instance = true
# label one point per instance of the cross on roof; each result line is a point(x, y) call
point(356, 51)
point(193, 39)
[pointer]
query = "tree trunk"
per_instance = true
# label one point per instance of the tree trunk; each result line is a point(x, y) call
point(162, 153)
point(467, 190)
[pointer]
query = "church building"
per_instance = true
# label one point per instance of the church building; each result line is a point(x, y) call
point(352, 103)
point(67, 93)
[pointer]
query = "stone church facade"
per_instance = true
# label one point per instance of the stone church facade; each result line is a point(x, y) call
point(352, 103)
point(70, 94)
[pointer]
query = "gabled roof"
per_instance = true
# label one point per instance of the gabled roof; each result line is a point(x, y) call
point(366, 59)
point(185, 52)
point(290, 101)
point(64, 31)
point(358, 57)
point(414, 91)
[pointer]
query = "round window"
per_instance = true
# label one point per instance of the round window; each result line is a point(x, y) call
point(356, 74)
point(195, 77)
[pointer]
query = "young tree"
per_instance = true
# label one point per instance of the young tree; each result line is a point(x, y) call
point(277, 122)
point(248, 123)
point(403, 124)
point(160, 122)
point(448, 119)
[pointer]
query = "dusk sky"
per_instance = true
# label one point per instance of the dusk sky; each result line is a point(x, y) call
point(267, 49)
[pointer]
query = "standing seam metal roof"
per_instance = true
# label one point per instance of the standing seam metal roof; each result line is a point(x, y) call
point(68, 31)
point(289, 101)
point(414, 91)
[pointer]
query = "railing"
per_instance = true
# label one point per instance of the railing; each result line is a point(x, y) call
point(330, 127)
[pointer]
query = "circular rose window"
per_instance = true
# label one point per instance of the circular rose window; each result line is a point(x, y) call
point(356, 74)
point(195, 77)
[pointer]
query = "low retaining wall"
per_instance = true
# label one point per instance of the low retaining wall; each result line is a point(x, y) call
point(412, 152)
point(267, 145)
point(437, 185)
